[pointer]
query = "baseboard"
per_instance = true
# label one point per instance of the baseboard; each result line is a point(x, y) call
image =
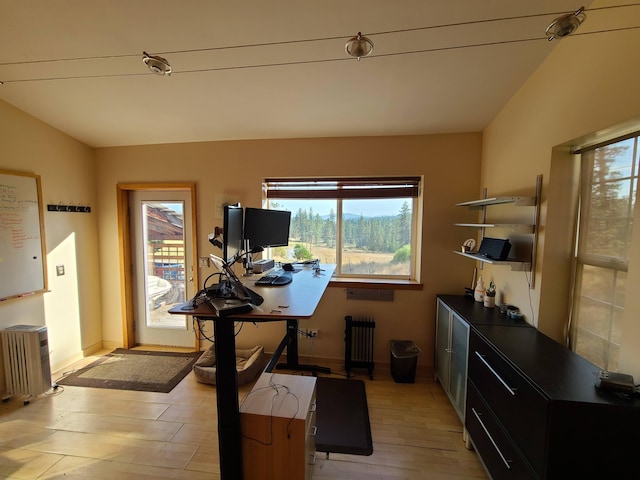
point(66, 362)
point(103, 346)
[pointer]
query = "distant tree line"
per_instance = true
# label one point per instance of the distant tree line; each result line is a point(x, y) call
point(377, 234)
point(609, 210)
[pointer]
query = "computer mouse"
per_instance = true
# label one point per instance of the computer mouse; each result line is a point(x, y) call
point(287, 267)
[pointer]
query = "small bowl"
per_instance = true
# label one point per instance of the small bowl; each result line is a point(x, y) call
point(516, 315)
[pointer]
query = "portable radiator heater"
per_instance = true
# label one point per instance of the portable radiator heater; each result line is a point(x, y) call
point(358, 344)
point(25, 349)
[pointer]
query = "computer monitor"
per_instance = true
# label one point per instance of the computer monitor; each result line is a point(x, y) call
point(232, 236)
point(266, 228)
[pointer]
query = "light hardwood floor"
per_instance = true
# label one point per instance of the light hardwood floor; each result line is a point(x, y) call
point(91, 433)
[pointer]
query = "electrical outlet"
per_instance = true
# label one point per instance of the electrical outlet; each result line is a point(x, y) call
point(312, 333)
point(203, 262)
point(302, 333)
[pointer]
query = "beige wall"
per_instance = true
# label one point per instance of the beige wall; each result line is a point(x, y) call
point(71, 308)
point(588, 84)
point(233, 171)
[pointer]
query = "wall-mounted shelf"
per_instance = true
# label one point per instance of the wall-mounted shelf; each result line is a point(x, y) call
point(483, 202)
point(511, 262)
point(517, 228)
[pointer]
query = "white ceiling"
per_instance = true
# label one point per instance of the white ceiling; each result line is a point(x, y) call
point(238, 93)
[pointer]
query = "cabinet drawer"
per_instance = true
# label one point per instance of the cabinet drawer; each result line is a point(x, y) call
point(498, 453)
point(310, 444)
point(310, 452)
point(520, 408)
point(311, 415)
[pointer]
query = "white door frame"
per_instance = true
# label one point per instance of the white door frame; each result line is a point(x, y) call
point(125, 255)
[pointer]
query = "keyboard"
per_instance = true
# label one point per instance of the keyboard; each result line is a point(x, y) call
point(273, 279)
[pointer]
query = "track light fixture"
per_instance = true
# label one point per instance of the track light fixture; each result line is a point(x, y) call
point(157, 65)
point(359, 46)
point(566, 24)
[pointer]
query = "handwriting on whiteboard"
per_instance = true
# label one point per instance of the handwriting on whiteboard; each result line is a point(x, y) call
point(12, 215)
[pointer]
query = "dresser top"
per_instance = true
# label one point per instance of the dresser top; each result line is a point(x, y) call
point(476, 313)
point(554, 370)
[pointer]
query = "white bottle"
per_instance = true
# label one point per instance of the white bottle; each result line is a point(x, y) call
point(478, 293)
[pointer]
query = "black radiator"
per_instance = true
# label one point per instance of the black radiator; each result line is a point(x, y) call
point(358, 344)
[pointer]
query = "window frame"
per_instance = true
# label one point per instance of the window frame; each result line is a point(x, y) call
point(613, 263)
point(349, 188)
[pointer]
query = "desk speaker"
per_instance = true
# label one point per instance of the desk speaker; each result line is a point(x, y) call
point(495, 248)
point(261, 266)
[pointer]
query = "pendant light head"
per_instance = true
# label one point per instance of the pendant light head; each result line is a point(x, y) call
point(566, 24)
point(157, 65)
point(359, 46)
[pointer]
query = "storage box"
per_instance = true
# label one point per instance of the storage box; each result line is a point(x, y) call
point(263, 265)
point(404, 358)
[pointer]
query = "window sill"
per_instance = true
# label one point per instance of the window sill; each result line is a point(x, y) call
point(385, 284)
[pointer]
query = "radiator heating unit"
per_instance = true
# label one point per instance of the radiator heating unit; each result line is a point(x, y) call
point(25, 350)
point(358, 344)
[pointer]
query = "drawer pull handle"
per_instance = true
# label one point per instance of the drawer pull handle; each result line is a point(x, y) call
point(313, 458)
point(511, 390)
point(312, 408)
point(314, 431)
point(506, 462)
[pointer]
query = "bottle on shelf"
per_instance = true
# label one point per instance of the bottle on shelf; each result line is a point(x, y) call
point(478, 293)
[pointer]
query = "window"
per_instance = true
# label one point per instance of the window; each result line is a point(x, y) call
point(366, 226)
point(609, 186)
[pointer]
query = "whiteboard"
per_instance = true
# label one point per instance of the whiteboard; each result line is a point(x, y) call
point(22, 246)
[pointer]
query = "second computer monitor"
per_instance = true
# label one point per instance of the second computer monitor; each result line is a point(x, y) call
point(232, 232)
point(266, 228)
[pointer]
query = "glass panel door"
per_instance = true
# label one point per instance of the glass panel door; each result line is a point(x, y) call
point(162, 267)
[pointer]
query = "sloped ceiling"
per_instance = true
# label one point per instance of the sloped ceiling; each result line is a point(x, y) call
point(256, 69)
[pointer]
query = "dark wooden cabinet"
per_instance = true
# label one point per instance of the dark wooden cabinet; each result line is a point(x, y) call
point(452, 340)
point(499, 453)
point(532, 410)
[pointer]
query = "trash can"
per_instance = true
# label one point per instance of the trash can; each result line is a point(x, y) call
point(404, 358)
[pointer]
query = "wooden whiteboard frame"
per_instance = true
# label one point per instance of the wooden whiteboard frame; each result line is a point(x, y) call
point(42, 233)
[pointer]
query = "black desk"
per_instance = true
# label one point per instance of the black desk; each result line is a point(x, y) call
point(289, 303)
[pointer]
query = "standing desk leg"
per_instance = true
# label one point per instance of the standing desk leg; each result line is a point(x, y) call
point(229, 433)
point(292, 352)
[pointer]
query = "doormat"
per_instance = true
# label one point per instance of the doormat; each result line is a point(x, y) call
point(140, 370)
point(342, 416)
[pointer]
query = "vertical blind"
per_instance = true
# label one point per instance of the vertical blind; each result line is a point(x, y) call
point(343, 187)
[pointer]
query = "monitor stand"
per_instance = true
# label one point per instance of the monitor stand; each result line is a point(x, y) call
point(248, 263)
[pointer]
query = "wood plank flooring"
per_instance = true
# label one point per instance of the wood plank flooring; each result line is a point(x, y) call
point(90, 433)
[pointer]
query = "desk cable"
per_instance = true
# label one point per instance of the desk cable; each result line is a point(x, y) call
point(276, 388)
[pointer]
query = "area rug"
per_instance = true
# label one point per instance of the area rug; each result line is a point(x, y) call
point(342, 417)
point(141, 370)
